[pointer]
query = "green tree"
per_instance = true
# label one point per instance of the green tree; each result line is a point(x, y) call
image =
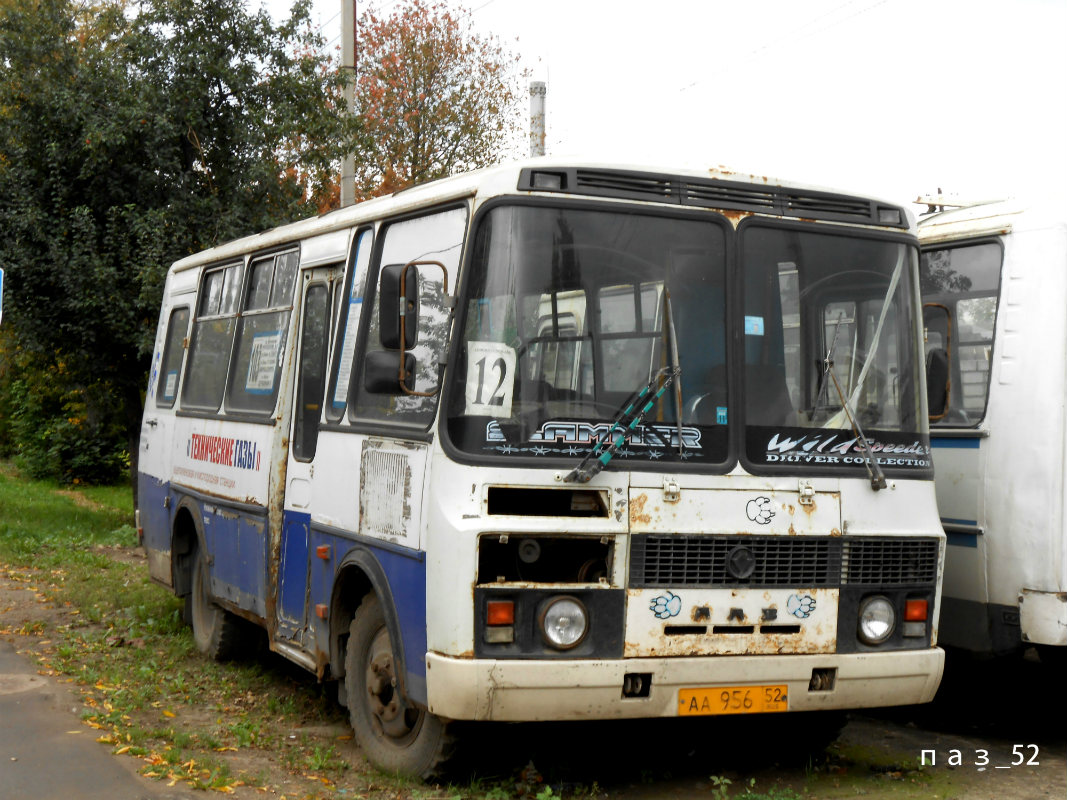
point(127, 141)
point(435, 97)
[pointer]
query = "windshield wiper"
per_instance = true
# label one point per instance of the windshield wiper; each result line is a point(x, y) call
point(873, 470)
point(629, 416)
point(672, 335)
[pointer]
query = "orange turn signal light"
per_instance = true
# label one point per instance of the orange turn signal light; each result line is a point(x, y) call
point(915, 610)
point(500, 612)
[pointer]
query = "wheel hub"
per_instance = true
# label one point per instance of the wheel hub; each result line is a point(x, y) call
point(386, 703)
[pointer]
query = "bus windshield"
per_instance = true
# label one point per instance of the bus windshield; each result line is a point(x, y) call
point(570, 312)
point(830, 350)
point(565, 320)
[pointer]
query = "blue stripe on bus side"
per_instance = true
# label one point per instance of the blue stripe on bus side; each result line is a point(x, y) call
point(152, 502)
point(962, 539)
point(970, 443)
point(405, 571)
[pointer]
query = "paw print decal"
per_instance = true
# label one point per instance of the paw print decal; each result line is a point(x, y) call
point(759, 510)
point(666, 605)
point(800, 605)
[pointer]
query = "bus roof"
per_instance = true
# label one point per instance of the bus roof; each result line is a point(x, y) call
point(505, 179)
point(994, 218)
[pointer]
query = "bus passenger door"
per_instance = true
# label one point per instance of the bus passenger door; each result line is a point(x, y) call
point(317, 288)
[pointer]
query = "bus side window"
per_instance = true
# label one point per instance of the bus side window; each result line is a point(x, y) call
point(261, 332)
point(348, 314)
point(171, 363)
point(435, 237)
point(312, 372)
point(212, 337)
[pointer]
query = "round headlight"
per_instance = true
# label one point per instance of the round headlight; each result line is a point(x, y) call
point(878, 620)
point(564, 622)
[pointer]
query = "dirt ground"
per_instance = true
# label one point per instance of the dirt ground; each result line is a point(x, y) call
point(987, 715)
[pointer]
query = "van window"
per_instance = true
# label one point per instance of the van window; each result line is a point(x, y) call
point(171, 363)
point(437, 237)
point(965, 279)
point(259, 350)
point(209, 347)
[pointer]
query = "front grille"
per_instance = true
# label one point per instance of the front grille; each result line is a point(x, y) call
point(889, 562)
point(686, 560)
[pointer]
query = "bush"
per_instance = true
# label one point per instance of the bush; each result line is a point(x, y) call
point(56, 428)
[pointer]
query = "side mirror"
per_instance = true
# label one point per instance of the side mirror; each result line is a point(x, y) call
point(398, 326)
point(381, 375)
point(396, 311)
point(937, 323)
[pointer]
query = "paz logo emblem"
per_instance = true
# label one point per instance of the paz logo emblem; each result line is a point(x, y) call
point(740, 562)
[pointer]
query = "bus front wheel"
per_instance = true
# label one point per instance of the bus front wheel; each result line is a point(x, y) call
point(216, 632)
point(394, 734)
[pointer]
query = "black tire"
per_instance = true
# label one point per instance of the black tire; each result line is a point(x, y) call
point(217, 633)
point(395, 735)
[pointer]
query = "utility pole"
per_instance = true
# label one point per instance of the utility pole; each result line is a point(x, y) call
point(538, 90)
point(348, 62)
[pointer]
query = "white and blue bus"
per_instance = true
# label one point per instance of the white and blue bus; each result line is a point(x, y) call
point(994, 282)
point(556, 441)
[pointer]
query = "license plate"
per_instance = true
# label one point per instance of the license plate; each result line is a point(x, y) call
point(732, 700)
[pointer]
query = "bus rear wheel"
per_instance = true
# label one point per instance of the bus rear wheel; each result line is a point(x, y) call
point(394, 734)
point(217, 633)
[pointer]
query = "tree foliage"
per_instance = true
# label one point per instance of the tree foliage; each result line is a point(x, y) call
point(128, 140)
point(135, 133)
point(435, 97)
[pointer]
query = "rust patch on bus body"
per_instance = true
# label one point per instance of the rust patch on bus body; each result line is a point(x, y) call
point(735, 217)
point(637, 510)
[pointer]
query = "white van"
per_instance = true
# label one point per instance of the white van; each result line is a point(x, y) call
point(994, 283)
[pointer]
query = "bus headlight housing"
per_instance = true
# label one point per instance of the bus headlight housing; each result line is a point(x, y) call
point(564, 622)
point(877, 619)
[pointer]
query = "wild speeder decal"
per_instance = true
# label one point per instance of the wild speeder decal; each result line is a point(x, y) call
point(821, 448)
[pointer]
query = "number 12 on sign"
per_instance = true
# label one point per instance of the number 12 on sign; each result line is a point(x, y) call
point(490, 379)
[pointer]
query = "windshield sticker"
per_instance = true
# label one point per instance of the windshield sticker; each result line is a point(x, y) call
point(348, 352)
point(263, 362)
point(172, 385)
point(720, 415)
point(753, 326)
point(842, 448)
point(490, 379)
point(654, 440)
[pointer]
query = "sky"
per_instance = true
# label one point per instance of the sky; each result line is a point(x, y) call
point(892, 98)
